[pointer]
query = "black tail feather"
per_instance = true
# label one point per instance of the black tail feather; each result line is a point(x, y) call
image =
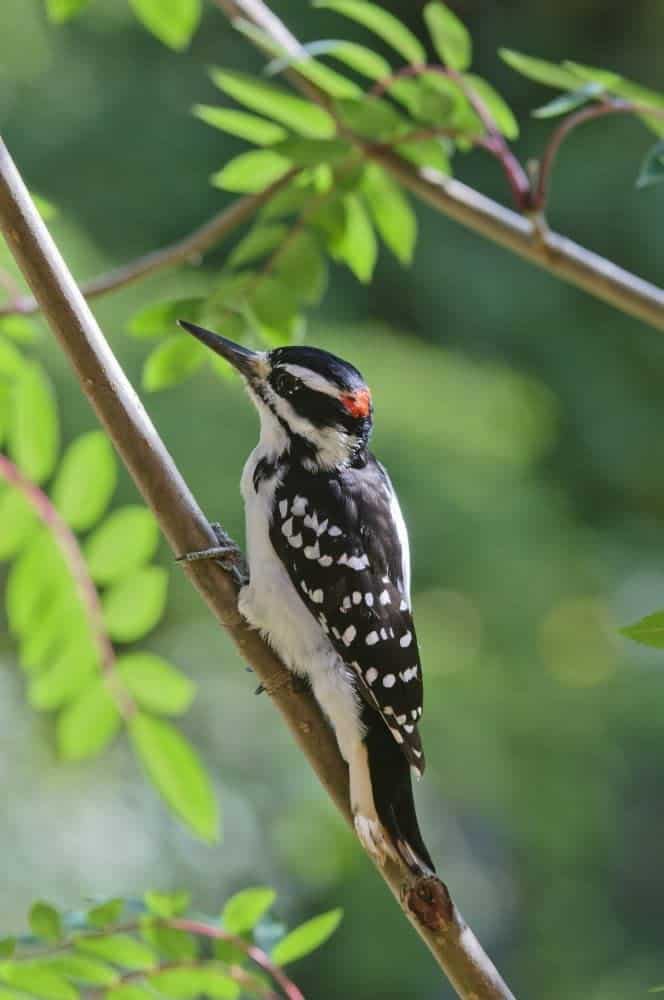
point(393, 796)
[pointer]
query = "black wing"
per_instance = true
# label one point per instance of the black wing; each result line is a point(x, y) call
point(338, 539)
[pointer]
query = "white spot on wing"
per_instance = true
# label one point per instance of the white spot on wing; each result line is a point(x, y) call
point(389, 680)
point(371, 675)
point(283, 507)
point(312, 551)
point(295, 541)
point(317, 596)
point(325, 561)
point(287, 527)
point(384, 597)
point(349, 635)
point(335, 531)
point(406, 639)
point(371, 639)
point(299, 506)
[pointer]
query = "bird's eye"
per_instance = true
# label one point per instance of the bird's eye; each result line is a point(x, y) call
point(284, 383)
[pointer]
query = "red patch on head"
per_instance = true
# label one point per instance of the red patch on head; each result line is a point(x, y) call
point(358, 404)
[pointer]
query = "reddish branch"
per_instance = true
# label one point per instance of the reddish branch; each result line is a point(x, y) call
point(75, 561)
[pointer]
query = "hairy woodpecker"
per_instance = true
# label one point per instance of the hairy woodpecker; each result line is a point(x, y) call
point(329, 576)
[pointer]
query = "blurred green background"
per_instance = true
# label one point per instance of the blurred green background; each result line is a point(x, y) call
point(522, 423)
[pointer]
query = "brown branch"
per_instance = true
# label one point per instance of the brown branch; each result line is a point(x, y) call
point(189, 248)
point(525, 237)
point(426, 902)
point(68, 544)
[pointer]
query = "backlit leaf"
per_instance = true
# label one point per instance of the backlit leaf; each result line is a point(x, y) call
point(426, 153)
point(309, 152)
point(155, 684)
point(44, 921)
point(606, 78)
point(649, 630)
point(177, 772)
point(11, 359)
point(307, 937)
point(107, 913)
point(34, 433)
point(449, 35)
point(495, 104)
point(83, 970)
point(133, 606)
point(259, 241)
point(540, 70)
point(357, 247)
point(7, 947)
point(372, 118)
point(88, 724)
point(251, 172)
point(363, 60)
point(167, 904)
point(240, 123)
point(275, 102)
point(86, 480)
point(303, 268)
point(186, 984)
point(169, 942)
point(391, 212)
point(17, 521)
point(129, 991)
point(382, 23)
point(568, 102)
point(18, 328)
point(161, 317)
point(126, 540)
point(61, 615)
point(171, 362)
point(246, 908)
point(67, 675)
point(173, 22)
point(652, 168)
point(60, 11)
point(33, 575)
point(5, 411)
point(38, 980)
point(119, 949)
point(274, 308)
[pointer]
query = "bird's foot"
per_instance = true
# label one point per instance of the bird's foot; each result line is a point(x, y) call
point(373, 838)
point(226, 553)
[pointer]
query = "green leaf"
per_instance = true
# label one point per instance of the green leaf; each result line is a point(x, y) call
point(241, 123)
point(17, 522)
point(11, 359)
point(66, 676)
point(34, 434)
point(246, 908)
point(393, 31)
point(161, 317)
point(171, 362)
point(259, 241)
point(5, 413)
point(303, 268)
point(173, 22)
point(133, 606)
point(357, 247)
point(18, 328)
point(325, 78)
point(652, 168)
point(38, 570)
point(167, 904)
point(106, 914)
point(288, 201)
point(186, 984)
point(568, 102)
point(83, 970)
point(173, 944)
point(129, 991)
point(606, 78)
point(155, 684)
point(86, 480)
point(38, 980)
point(88, 724)
point(176, 771)
point(62, 615)
point(496, 105)
point(307, 937)
point(7, 947)
point(119, 949)
point(449, 36)
point(44, 921)
point(274, 309)
point(251, 172)
point(649, 630)
point(60, 11)
point(371, 118)
point(363, 60)
point(126, 540)
point(297, 114)
point(540, 70)
point(309, 152)
point(391, 212)
point(426, 153)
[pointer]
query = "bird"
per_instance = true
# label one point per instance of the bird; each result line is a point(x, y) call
point(329, 576)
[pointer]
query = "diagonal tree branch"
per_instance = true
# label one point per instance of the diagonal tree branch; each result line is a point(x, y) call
point(190, 247)
point(426, 902)
point(527, 237)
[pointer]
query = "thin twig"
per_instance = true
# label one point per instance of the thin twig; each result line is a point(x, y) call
point(567, 125)
point(68, 544)
point(191, 247)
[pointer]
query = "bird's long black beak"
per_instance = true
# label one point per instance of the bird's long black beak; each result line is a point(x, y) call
point(244, 360)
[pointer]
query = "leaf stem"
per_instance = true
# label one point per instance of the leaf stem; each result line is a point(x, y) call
point(567, 125)
point(71, 552)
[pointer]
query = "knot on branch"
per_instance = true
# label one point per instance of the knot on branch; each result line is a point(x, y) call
point(430, 902)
